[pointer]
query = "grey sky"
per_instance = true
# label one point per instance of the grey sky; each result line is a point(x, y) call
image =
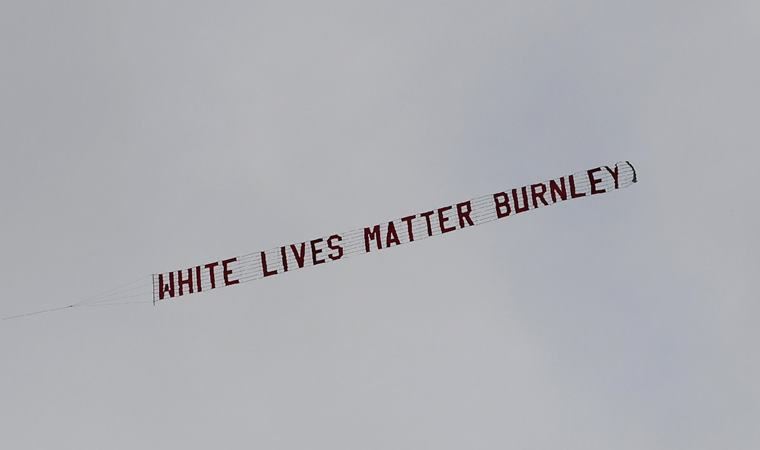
point(145, 136)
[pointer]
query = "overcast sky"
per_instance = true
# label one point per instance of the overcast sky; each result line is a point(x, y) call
point(144, 136)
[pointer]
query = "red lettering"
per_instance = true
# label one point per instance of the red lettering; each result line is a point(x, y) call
point(332, 246)
point(227, 272)
point(198, 278)
point(284, 258)
point(264, 269)
point(185, 282)
point(300, 257)
point(574, 194)
point(525, 206)
point(463, 212)
point(538, 195)
point(558, 189)
point(409, 231)
point(427, 215)
point(594, 181)
point(501, 200)
point(210, 267)
point(373, 234)
point(614, 174)
point(391, 237)
point(315, 251)
point(164, 289)
point(442, 220)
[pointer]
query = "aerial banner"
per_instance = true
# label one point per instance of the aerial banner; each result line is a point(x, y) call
point(376, 237)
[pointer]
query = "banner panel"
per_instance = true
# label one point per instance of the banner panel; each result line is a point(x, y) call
point(403, 230)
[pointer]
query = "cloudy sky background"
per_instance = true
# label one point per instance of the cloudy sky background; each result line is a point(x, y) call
point(139, 137)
